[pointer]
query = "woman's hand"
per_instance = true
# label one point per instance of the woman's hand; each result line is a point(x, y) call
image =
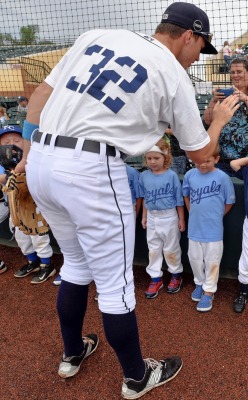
point(241, 95)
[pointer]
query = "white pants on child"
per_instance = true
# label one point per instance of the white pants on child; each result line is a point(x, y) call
point(163, 238)
point(32, 243)
point(205, 261)
point(243, 261)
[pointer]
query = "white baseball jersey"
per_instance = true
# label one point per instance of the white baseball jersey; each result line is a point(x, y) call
point(102, 92)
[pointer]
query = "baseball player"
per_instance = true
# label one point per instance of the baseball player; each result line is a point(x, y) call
point(37, 249)
point(240, 166)
point(113, 93)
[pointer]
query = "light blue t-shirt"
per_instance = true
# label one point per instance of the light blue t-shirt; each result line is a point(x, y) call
point(208, 195)
point(133, 180)
point(161, 191)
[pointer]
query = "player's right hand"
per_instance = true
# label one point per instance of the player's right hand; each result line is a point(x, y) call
point(224, 110)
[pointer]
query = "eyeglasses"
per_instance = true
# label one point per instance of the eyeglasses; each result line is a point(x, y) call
point(207, 35)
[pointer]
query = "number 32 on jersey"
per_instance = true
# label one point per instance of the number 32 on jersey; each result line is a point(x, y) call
point(98, 80)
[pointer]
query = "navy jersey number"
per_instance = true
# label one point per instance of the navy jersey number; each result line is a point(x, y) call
point(98, 80)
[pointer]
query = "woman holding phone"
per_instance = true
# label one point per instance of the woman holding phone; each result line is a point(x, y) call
point(233, 139)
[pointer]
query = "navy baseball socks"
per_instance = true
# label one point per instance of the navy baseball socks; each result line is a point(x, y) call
point(71, 306)
point(140, 376)
point(121, 332)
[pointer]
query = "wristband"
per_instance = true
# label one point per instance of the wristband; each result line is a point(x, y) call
point(28, 129)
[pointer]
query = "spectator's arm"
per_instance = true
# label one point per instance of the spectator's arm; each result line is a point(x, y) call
point(237, 164)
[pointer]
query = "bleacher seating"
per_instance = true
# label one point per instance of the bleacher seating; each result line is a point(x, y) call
point(136, 162)
point(203, 101)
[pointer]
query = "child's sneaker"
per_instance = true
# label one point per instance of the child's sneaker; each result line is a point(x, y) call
point(206, 303)
point(175, 284)
point(32, 266)
point(3, 267)
point(153, 289)
point(46, 271)
point(157, 373)
point(57, 281)
point(197, 293)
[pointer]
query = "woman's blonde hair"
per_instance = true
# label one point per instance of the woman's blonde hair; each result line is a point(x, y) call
point(3, 112)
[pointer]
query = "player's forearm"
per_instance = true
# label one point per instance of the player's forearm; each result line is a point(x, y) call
point(22, 164)
point(201, 155)
point(237, 164)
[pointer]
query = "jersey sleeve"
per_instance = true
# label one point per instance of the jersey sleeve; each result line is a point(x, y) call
point(229, 191)
point(141, 186)
point(185, 185)
point(178, 191)
point(186, 123)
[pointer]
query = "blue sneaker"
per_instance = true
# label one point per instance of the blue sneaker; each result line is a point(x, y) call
point(206, 303)
point(57, 281)
point(197, 293)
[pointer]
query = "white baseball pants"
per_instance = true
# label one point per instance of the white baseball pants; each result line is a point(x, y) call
point(86, 200)
point(163, 238)
point(205, 261)
point(243, 261)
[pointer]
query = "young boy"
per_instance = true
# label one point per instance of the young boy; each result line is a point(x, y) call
point(209, 195)
point(36, 248)
point(240, 166)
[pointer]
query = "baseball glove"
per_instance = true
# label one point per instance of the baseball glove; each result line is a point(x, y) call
point(10, 156)
point(23, 210)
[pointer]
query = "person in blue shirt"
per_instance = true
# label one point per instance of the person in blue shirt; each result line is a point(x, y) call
point(209, 195)
point(133, 180)
point(163, 216)
point(240, 166)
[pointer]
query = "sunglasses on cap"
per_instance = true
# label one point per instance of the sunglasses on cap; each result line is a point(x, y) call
point(207, 35)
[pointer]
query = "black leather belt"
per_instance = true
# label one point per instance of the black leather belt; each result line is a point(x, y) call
point(71, 142)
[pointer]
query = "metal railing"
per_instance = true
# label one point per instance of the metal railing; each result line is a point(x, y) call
point(36, 70)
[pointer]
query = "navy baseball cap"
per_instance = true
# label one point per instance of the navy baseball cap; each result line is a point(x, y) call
point(22, 98)
point(188, 16)
point(10, 129)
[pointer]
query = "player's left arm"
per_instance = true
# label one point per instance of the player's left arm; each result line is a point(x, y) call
point(36, 104)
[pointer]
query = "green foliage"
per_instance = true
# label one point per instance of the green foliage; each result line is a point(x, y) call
point(28, 34)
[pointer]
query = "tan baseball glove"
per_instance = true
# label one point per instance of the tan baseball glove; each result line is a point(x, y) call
point(23, 210)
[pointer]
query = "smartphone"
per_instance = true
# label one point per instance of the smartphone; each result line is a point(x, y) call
point(227, 92)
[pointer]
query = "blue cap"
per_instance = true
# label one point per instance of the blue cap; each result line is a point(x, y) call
point(10, 129)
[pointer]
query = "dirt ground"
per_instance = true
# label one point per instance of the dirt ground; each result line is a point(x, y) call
point(213, 345)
